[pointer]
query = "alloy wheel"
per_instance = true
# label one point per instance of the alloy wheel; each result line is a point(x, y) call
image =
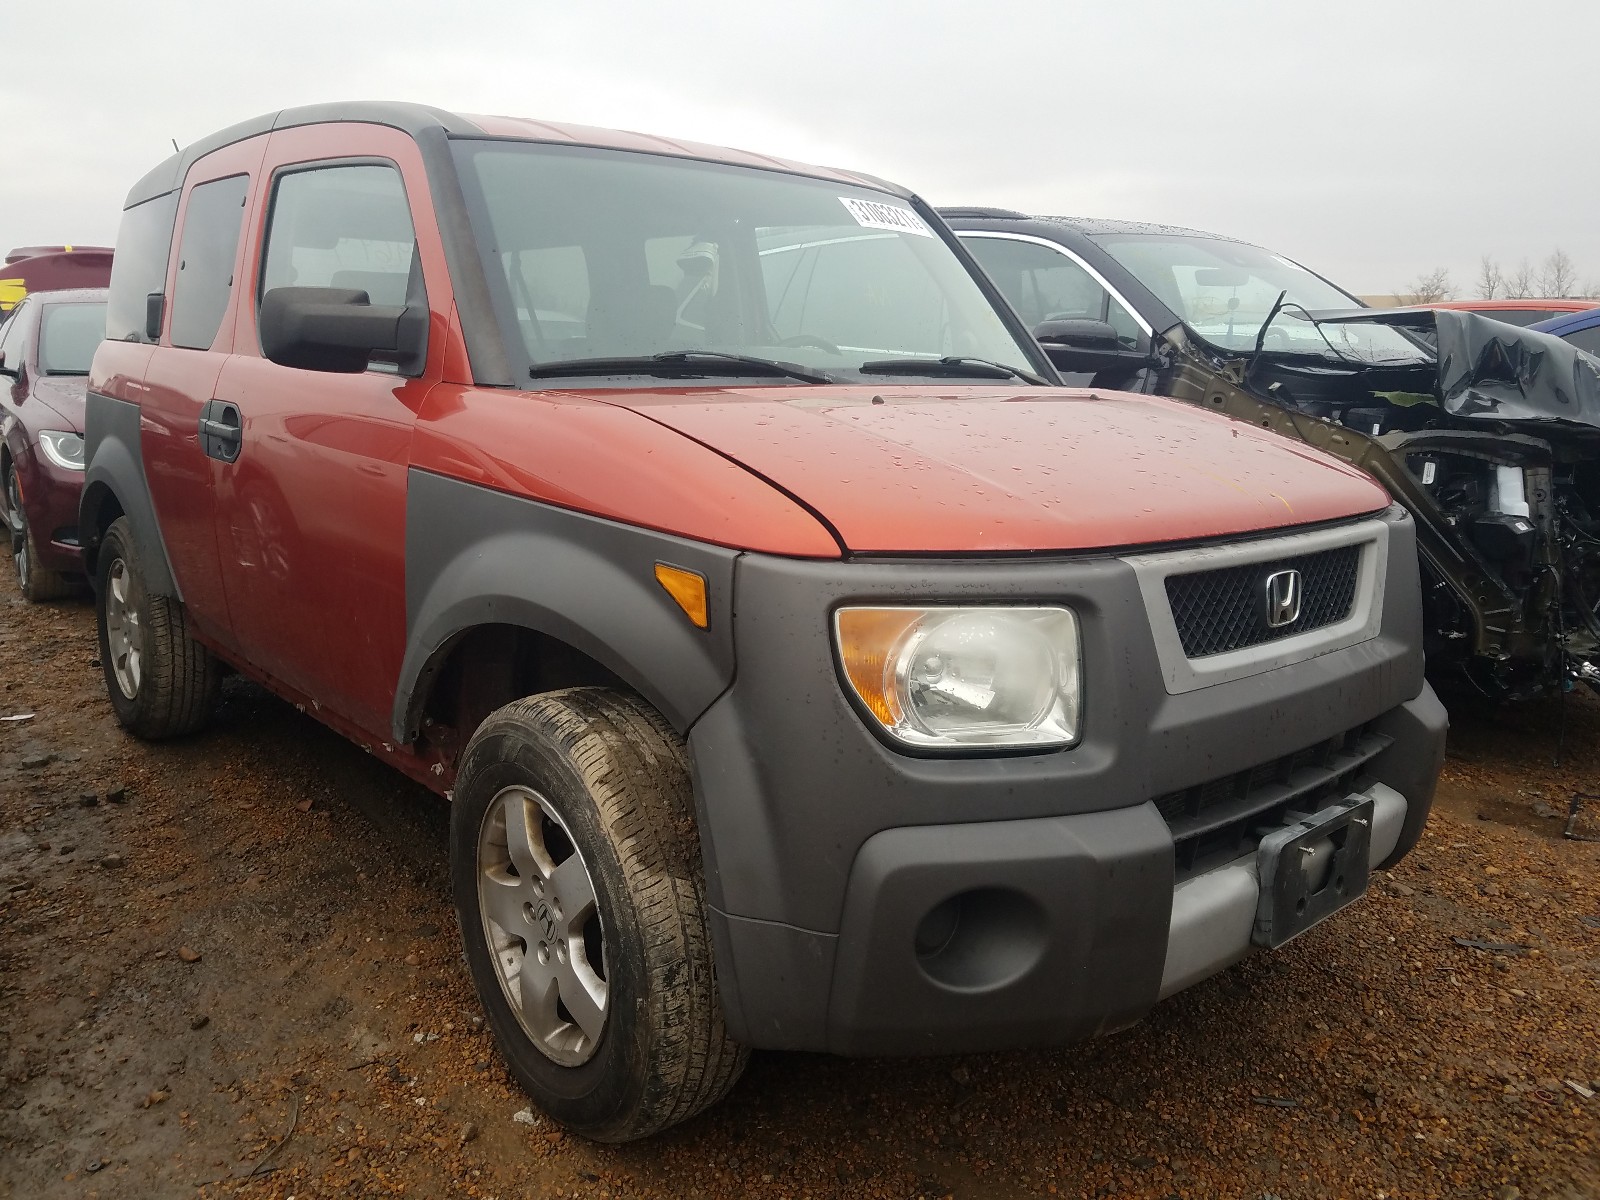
point(16, 522)
point(540, 918)
point(124, 631)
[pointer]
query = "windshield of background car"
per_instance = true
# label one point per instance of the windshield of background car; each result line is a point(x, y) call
point(70, 336)
point(1224, 290)
point(1519, 316)
point(614, 254)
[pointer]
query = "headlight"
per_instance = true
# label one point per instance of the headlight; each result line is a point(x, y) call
point(965, 677)
point(63, 449)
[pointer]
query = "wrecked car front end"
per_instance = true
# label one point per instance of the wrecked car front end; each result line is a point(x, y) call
point(1488, 433)
point(1492, 442)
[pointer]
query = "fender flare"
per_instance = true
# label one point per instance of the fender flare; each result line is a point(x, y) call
point(115, 471)
point(476, 557)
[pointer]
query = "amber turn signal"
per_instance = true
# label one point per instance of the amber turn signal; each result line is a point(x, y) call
point(688, 588)
point(868, 641)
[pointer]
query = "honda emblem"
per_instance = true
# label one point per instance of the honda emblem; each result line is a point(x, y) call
point(1283, 598)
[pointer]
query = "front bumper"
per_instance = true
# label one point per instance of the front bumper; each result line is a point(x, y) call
point(866, 901)
point(1064, 927)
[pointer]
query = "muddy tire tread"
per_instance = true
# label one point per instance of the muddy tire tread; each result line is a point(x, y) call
point(181, 678)
point(636, 769)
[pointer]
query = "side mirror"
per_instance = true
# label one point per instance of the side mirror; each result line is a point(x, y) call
point(155, 311)
point(1083, 346)
point(5, 370)
point(339, 330)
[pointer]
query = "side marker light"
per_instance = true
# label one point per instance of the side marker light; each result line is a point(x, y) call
point(688, 588)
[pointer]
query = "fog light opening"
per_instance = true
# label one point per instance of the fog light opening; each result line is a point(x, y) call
point(981, 939)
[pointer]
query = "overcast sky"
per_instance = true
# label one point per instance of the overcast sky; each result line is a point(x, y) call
point(1370, 139)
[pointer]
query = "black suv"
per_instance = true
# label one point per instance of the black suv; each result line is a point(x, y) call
point(1488, 433)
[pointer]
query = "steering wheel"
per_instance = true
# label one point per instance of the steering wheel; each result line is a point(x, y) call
point(810, 339)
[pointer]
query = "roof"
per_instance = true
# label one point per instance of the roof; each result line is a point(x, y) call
point(619, 139)
point(1556, 304)
point(420, 120)
point(1088, 226)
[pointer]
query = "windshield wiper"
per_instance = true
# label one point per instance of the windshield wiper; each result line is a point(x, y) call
point(1261, 336)
point(679, 363)
point(950, 364)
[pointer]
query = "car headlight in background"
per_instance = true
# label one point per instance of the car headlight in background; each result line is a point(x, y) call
point(62, 448)
point(956, 678)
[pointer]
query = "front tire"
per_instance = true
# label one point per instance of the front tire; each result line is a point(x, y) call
point(576, 873)
point(36, 583)
point(162, 683)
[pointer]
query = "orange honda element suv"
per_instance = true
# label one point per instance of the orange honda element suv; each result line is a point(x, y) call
point(804, 667)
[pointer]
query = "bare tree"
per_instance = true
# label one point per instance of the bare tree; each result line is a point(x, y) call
point(1591, 290)
point(1430, 287)
point(1490, 281)
point(1559, 277)
point(1519, 284)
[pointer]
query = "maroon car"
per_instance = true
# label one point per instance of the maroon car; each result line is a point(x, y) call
point(51, 269)
point(45, 349)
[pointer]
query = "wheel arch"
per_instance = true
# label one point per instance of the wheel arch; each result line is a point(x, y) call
point(481, 667)
point(576, 592)
point(114, 486)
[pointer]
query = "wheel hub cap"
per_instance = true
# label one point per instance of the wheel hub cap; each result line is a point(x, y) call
point(542, 925)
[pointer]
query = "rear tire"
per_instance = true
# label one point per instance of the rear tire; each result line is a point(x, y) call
point(162, 683)
point(576, 872)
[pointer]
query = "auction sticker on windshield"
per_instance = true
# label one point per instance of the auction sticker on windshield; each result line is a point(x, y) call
point(870, 214)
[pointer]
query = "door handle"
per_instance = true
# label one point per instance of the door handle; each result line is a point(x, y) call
point(221, 430)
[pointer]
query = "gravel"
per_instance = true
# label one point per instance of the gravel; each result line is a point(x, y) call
point(1374, 1056)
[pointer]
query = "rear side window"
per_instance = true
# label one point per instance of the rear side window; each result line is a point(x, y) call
point(206, 256)
point(343, 227)
point(144, 242)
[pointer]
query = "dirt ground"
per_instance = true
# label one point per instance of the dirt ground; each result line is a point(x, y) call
point(244, 979)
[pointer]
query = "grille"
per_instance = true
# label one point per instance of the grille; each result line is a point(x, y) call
point(1218, 821)
point(1225, 609)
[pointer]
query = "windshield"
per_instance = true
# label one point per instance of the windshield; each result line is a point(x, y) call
point(600, 254)
point(1223, 291)
point(70, 336)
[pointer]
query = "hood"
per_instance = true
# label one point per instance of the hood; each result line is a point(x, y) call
point(907, 470)
point(1492, 370)
point(62, 394)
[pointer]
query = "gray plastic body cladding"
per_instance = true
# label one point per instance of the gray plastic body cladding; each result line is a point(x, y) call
point(793, 787)
point(1411, 764)
point(793, 782)
point(115, 462)
point(1103, 883)
point(480, 557)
